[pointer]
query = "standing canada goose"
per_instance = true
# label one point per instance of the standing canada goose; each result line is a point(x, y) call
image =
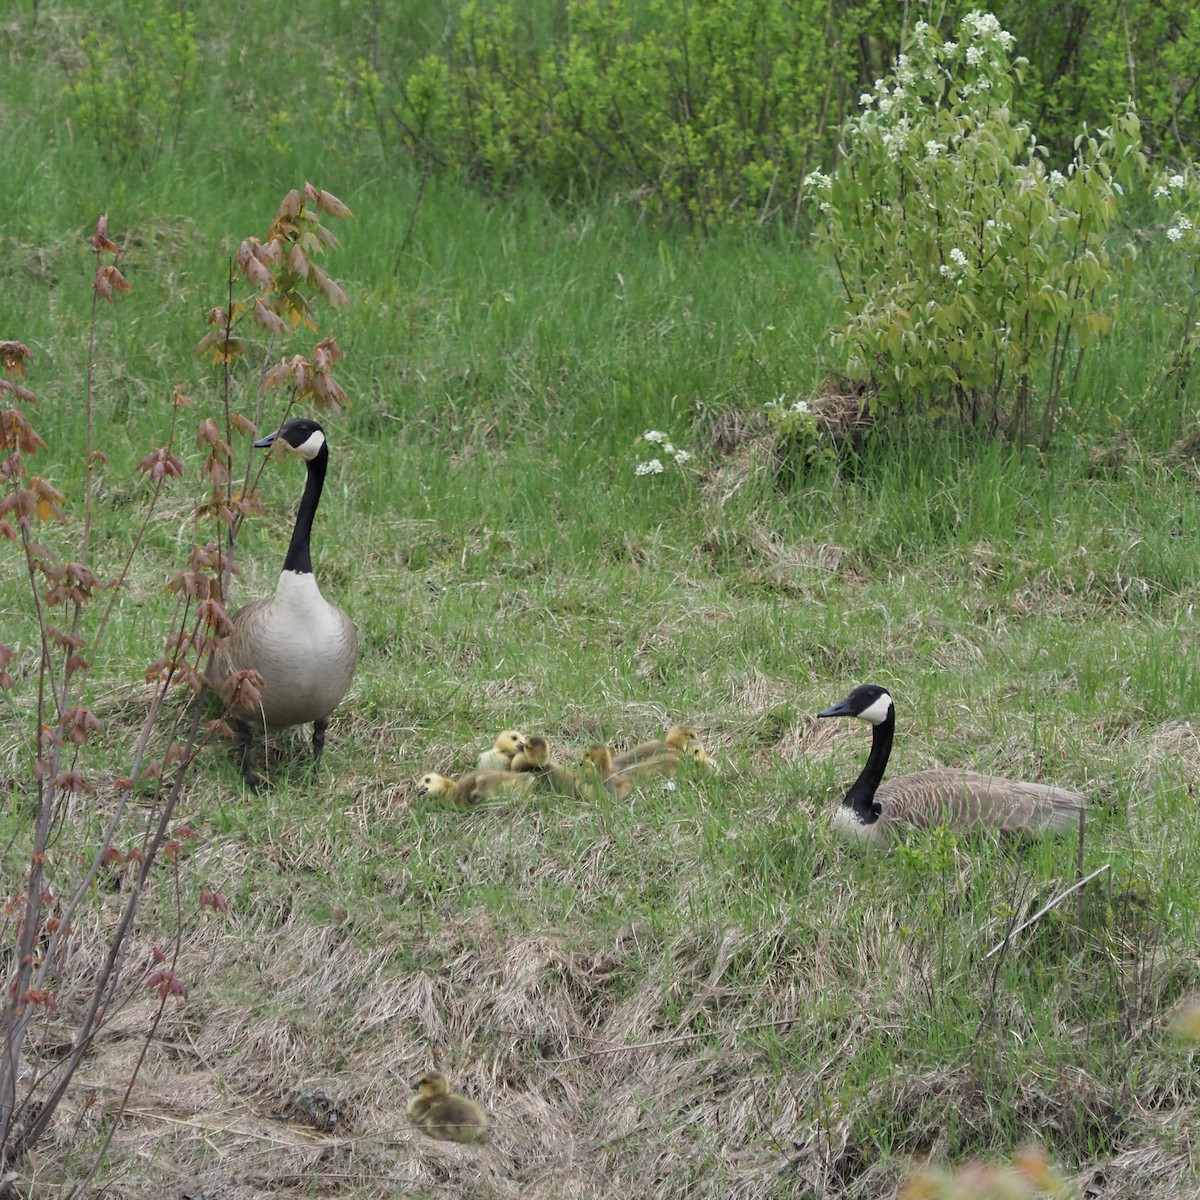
point(677, 738)
point(304, 648)
point(872, 811)
point(508, 743)
point(441, 1113)
point(473, 788)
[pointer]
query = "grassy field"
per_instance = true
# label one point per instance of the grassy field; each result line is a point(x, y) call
point(697, 992)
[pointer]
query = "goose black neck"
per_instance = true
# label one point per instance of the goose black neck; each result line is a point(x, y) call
point(299, 557)
point(861, 796)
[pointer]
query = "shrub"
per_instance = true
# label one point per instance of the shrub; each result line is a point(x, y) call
point(713, 111)
point(973, 276)
point(132, 91)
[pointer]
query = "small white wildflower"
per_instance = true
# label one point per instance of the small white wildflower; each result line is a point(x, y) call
point(682, 456)
point(948, 49)
point(989, 224)
point(899, 92)
point(974, 56)
point(669, 786)
point(1176, 181)
point(1005, 39)
point(800, 406)
point(1183, 223)
point(958, 257)
point(944, 270)
point(654, 435)
point(879, 85)
point(933, 149)
point(920, 29)
point(866, 99)
point(653, 467)
point(818, 180)
point(886, 103)
point(1057, 179)
point(1174, 233)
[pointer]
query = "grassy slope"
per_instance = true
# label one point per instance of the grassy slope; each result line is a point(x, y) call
point(801, 1017)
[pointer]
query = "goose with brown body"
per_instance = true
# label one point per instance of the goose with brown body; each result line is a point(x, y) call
point(441, 1113)
point(304, 647)
point(875, 812)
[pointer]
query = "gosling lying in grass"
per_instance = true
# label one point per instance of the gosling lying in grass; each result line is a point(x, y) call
point(537, 760)
point(508, 743)
point(679, 739)
point(473, 788)
point(441, 1113)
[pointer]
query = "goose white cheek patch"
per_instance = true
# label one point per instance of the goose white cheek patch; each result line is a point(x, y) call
point(877, 712)
point(311, 446)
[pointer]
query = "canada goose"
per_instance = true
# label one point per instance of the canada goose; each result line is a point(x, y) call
point(441, 1113)
point(677, 738)
point(537, 759)
point(872, 811)
point(304, 648)
point(473, 788)
point(508, 743)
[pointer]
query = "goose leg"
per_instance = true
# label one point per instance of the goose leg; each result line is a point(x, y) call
point(245, 746)
point(319, 728)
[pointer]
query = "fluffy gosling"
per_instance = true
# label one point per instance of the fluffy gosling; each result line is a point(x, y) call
point(508, 744)
point(441, 1113)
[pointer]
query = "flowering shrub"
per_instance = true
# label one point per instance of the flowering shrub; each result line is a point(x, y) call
point(655, 465)
point(1177, 196)
point(973, 275)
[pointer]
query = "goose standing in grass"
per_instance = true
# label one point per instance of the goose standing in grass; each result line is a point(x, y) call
point(507, 745)
point(874, 811)
point(441, 1113)
point(304, 648)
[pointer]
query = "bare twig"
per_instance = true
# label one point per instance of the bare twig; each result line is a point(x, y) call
point(1041, 912)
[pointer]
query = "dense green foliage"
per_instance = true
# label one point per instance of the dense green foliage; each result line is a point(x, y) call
point(716, 111)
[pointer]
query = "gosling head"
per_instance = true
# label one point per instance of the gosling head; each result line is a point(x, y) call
point(433, 784)
point(509, 742)
point(868, 702)
point(680, 737)
point(301, 435)
point(430, 1084)
point(539, 750)
point(599, 758)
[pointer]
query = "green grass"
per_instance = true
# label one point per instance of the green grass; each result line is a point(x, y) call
point(696, 991)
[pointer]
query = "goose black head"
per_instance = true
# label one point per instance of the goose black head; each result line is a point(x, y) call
point(302, 435)
point(869, 702)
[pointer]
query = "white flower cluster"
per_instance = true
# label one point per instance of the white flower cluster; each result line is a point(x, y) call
point(1172, 183)
point(1181, 226)
point(985, 26)
point(781, 405)
point(655, 467)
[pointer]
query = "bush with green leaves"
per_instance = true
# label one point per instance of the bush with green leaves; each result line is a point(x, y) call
point(714, 111)
point(132, 89)
point(973, 273)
